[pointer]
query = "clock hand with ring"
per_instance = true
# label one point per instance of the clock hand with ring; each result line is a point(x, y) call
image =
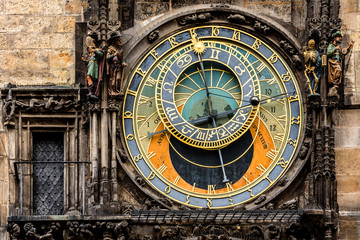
point(212, 117)
point(254, 101)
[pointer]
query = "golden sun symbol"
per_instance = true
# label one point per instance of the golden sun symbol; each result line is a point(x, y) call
point(198, 46)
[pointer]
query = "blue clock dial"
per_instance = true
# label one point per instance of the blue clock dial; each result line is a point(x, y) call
point(212, 117)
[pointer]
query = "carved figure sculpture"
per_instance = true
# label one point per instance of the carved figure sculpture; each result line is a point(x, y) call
point(94, 63)
point(312, 66)
point(115, 66)
point(334, 54)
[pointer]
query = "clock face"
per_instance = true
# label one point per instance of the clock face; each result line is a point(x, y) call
point(212, 117)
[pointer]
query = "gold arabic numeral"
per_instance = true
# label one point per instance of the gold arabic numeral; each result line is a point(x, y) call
point(211, 189)
point(279, 136)
point(271, 154)
point(295, 120)
point(130, 137)
point(193, 187)
point(251, 194)
point(239, 70)
point(143, 100)
point(236, 35)
point(282, 163)
point(141, 72)
point(167, 190)
point(215, 31)
point(128, 114)
point(245, 178)
point(292, 142)
point(151, 176)
point(231, 201)
point(171, 112)
point(162, 168)
point(209, 202)
point(215, 54)
point(151, 155)
point(229, 187)
point(187, 199)
point(256, 44)
point(138, 157)
point(261, 168)
point(271, 81)
point(176, 180)
point(150, 82)
point(286, 77)
point(173, 41)
point(261, 67)
point(293, 98)
point(273, 59)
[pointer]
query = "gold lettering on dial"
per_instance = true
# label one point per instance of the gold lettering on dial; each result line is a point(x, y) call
point(171, 112)
point(236, 35)
point(251, 194)
point(229, 187)
point(231, 201)
point(211, 189)
point(151, 176)
point(187, 199)
point(167, 190)
point(151, 154)
point(193, 188)
point(295, 120)
point(261, 167)
point(176, 180)
point(256, 44)
point(150, 82)
point(245, 178)
point(214, 54)
point(209, 202)
point(271, 154)
point(138, 157)
point(162, 168)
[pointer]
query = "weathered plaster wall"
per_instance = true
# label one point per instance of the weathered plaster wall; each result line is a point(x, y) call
point(347, 130)
point(37, 41)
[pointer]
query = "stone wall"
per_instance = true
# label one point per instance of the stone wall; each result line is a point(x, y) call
point(37, 41)
point(288, 11)
point(347, 130)
point(350, 15)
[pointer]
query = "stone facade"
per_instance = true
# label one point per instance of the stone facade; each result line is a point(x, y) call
point(38, 42)
point(37, 47)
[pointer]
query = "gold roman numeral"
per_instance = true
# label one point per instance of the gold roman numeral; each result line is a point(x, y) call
point(211, 189)
point(162, 168)
point(229, 187)
point(271, 154)
point(261, 168)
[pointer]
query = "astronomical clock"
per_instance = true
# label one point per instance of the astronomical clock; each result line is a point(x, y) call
point(212, 117)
